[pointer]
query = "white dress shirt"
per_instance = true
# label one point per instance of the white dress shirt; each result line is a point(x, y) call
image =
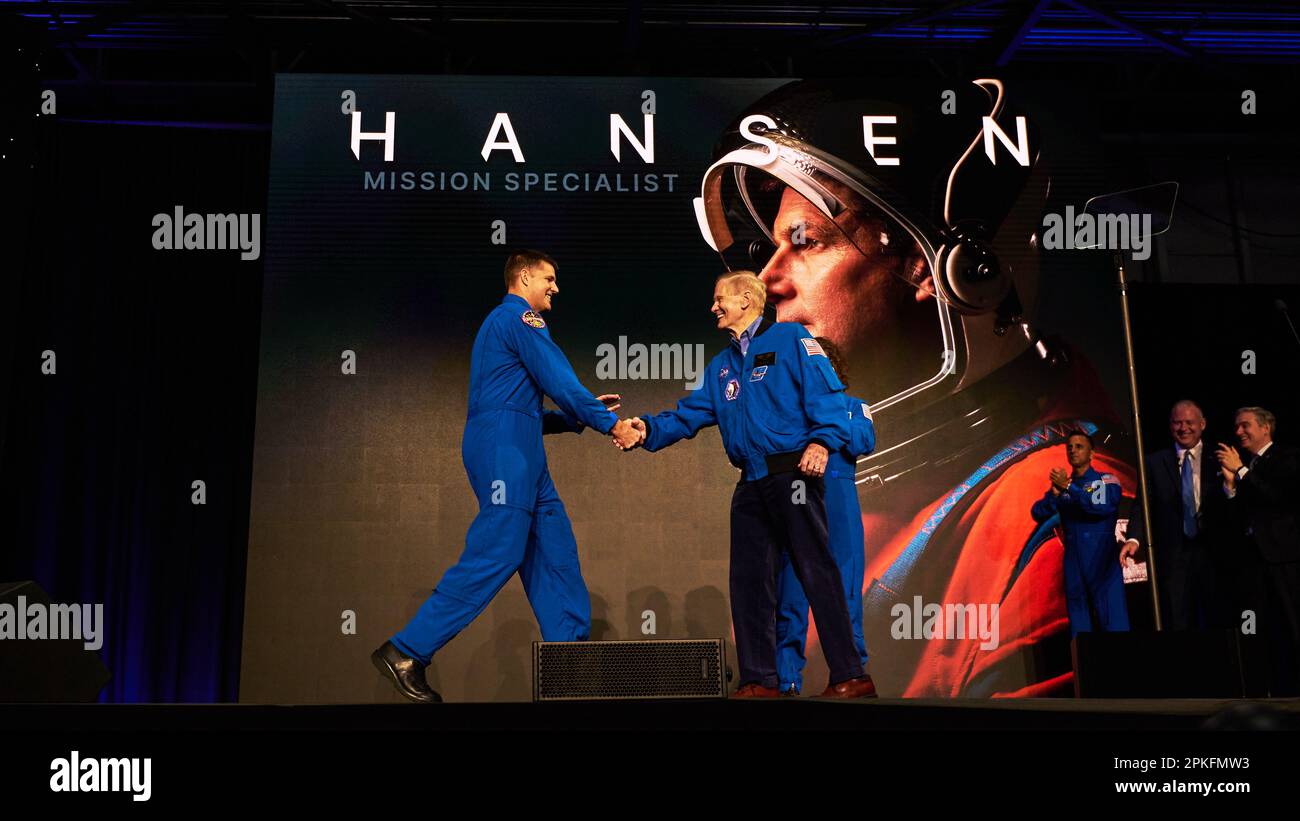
point(1195, 452)
point(1181, 453)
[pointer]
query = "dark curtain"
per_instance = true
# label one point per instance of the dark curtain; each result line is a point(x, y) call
point(156, 356)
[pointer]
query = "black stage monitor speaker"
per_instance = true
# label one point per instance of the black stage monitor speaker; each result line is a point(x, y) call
point(1169, 664)
point(612, 670)
point(44, 670)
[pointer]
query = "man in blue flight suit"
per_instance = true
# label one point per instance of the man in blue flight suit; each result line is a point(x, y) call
point(780, 409)
point(1086, 503)
point(521, 525)
point(844, 524)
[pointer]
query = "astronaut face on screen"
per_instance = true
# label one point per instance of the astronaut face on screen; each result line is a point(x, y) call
point(849, 197)
point(860, 283)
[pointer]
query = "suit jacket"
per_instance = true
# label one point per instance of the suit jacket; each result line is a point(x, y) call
point(1166, 501)
point(1266, 500)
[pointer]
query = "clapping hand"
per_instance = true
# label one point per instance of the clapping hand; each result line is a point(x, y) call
point(1060, 480)
point(1229, 463)
point(1229, 458)
point(612, 401)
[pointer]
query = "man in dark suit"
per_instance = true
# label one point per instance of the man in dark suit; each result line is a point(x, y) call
point(1261, 487)
point(1187, 504)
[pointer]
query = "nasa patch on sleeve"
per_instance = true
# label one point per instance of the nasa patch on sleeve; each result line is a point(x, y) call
point(533, 319)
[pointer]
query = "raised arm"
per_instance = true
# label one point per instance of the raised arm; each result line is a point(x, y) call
point(1102, 502)
point(554, 421)
point(693, 412)
point(1045, 508)
point(548, 366)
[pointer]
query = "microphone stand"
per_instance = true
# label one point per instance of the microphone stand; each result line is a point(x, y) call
point(1137, 429)
point(1281, 306)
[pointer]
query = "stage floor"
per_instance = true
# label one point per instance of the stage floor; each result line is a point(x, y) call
point(803, 714)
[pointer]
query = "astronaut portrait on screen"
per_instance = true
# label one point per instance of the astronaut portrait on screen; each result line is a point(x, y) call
point(900, 221)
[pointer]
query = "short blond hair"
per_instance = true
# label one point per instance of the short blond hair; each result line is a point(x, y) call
point(739, 281)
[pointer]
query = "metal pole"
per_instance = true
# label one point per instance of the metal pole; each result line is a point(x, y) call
point(1137, 430)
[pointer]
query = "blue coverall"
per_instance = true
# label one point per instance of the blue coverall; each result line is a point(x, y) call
point(521, 525)
point(769, 403)
point(844, 522)
point(1087, 511)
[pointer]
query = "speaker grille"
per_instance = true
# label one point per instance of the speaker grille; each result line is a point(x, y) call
point(599, 670)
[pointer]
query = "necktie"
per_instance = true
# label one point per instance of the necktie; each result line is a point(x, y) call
point(1189, 497)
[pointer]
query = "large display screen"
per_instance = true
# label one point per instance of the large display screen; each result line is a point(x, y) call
point(393, 204)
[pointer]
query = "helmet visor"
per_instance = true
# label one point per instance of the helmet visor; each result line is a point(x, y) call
point(739, 214)
point(741, 198)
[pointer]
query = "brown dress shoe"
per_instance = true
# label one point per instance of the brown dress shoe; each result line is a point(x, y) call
point(860, 687)
point(756, 691)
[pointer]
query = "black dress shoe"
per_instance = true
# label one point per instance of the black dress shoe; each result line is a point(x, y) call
point(406, 673)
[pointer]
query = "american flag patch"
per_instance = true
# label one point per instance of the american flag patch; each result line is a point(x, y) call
point(812, 347)
point(1109, 479)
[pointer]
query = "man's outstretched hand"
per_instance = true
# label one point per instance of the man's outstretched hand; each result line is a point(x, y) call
point(628, 433)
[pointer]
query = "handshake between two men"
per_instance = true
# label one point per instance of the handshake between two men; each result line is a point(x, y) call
point(791, 386)
point(631, 433)
point(626, 433)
